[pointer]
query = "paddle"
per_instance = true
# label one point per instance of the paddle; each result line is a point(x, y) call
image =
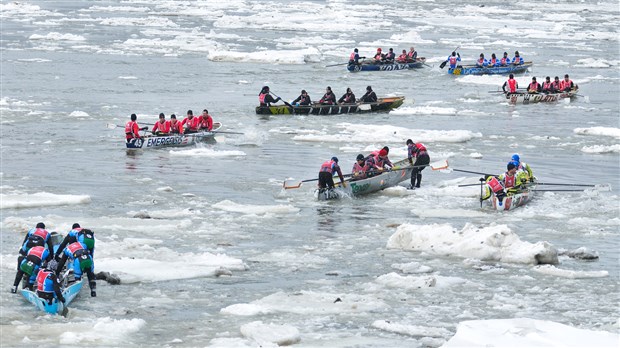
point(285, 102)
point(443, 65)
point(294, 184)
point(226, 132)
point(481, 187)
point(327, 66)
point(113, 126)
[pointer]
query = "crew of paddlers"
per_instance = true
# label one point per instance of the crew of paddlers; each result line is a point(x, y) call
point(162, 127)
point(40, 266)
point(547, 87)
point(385, 58)
point(518, 174)
point(265, 98)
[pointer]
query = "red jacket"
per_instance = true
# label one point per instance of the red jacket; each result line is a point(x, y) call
point(162, 127)
point(205, 123)
point(192, 124)
point(132, 130)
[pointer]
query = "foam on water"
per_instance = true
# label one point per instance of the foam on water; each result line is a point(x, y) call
point(233, 207)
point(207, 152)
point(40, 199)
point(558, 272)
point(603, 131)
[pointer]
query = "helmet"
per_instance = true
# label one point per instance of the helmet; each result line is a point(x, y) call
point(51, 266)
point(40, 225)
point(75, 225)
point(335, 159)
point(360, 157)
point(516, 158)
point(383, 153)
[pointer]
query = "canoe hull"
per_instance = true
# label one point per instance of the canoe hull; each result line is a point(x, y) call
point(369, 185)
point(511, 202)
point(532, 98)
point(177, 140)
point(69, 293)
point(382, 104)
point(386, 67)
point(496, 70)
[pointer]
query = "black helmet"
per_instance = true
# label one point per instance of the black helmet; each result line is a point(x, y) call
point(360, 157)
point(75, 225)
point(40, 225)
point(369, 88)
point(335, 159)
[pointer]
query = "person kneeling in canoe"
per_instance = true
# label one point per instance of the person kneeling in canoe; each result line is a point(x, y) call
point(265, 98)
point(403, 58)
point(354, 58)
point(512, 85)
point(523, 167)
point(190, 123)
point(381, 160)
point(422, 159)
point(175, 126)
point(329, 98)
point(48, 285)
point(369, 97)
point(326, 173)
point(161, 127)
point(534, 86)
point(30, 265)
point(132, 130)
point(82, 262)
point(205, 121)
point(303, 99)
point(347, 98)
point(512, 182)
point(360, 168)
point(547, 86)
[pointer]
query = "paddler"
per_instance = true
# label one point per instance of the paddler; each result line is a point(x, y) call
point(347, 98)
point(161, 127)
point(422, 159)
point(190, 122)
point(30, 265)
point(412, 55)
point(534, 86)
point(369, 96)
point(381, 159)
point(523, 167)
point(48, 285)
point(547, 86)
point(354, 58)
point(510, 180)
point(303, 99)
point(360, 167)
point(132, 130)
point(403, 57)
point(326, 172)
point(453, 59)
point(512, 85)
point(265, 98)
point(82, 260)
point(329, 98)
point(517, 60)
point(175, 126)
point(205, 121)
point(567, 84)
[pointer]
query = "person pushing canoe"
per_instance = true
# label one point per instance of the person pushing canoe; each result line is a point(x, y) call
point(326, 173)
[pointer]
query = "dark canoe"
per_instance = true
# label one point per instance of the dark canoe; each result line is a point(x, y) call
point(173, 140)
point(514, 200)
point(401, 172)
point(382, 104)
point(531, 98)
point(419, 63)
point(496, 70)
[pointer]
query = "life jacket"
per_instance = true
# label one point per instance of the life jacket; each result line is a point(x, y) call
point(44, 281)
point(192, 123)
point(352, 57)
point(481, 61)
point(533, 86)
point(517, 60)
point(176, 127)
point(87, 238)
point(378, 56)
point(512, 85)
point(38, 251)
point(546, 86)
point(495, 185)
point(556, 85)
point(36, 237)
point(453, 60)
point(421, 149)
point(129, 127)
point(493, 61)
point(410, 54)
point(206, 123)
point(565, 84)
point(76, 250)
point(162, 127)
point(328, 166)
point(347, 98)
point(403, 57)
point(504, 61)
point(509, 181)
point(357, 168)
point(261, 99)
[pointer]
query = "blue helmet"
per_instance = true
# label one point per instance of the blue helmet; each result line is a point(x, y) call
point(335, 159)
point(516, 158)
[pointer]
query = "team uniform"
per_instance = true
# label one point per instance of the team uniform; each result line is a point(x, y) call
point(326, 172)
point(82, 260)
point(422, 159)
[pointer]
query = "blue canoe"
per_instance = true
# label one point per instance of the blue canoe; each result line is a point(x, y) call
point(69, 293)
point(419, 63)
point(496, 70)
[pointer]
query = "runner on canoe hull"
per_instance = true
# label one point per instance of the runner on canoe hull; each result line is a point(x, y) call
point(422, 159)
point(326, 172)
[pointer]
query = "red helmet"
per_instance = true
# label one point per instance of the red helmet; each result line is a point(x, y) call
point(379, 49)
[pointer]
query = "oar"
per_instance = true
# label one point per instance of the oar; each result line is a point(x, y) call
point(481, 186)
point(113, 126)
point(285, 102)
point(294, 184)
point(559, 184)
point(327, 66)
point(226, 132)
point(442, 65)
point(557, 190)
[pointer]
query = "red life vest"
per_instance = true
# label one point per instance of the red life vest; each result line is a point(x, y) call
point(206, 123)
point(533, 86)
point(352, 56)
point(74, 248)
point(493, 61)
point(453, 60)
point(357, 168)
point(410, 54)
point(37, 251)
point(420, 148)
point(192, 124)
point(512, 85)
point(565, 84)
point(495, 185)
point(480, 61)
point(503, 61)
point(261, 98)
point(327, 166)
point(546, 86)
point(129, 130)
point(41, 277)
point(176, 127)
point(40, 232)
point(378, 56)
point(556, 85)
point(509, 181)
point(162, 127)
point(403, 57)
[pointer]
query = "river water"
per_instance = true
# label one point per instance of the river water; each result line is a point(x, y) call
point(69, 68)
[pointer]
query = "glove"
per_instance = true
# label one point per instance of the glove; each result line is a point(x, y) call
point(278, 99)
point(144, 128)
point(458, 54)
point(93, 293)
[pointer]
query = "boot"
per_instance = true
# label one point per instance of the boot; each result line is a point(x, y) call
point(93, 288)
point(419, 180)
point(14, 289)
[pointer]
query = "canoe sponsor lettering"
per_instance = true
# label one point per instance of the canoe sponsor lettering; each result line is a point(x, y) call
point(161, 141)
point(393, 67)
point(355, 188)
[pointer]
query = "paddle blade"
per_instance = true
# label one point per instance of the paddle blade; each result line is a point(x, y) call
point(110, 125)
point(439, 165)
point(291, 184)
point(443, 65)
